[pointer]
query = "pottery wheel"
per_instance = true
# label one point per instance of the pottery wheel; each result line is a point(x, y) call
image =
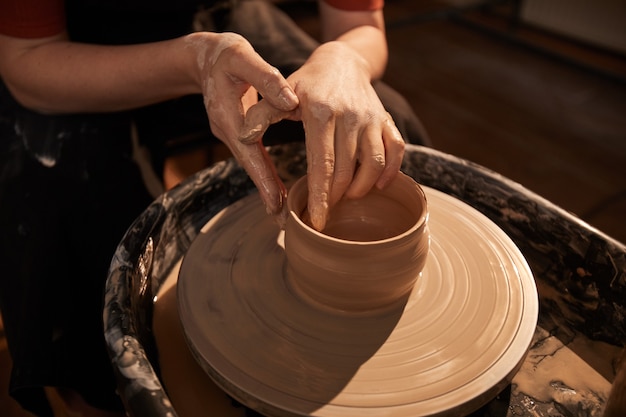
point(456, 342)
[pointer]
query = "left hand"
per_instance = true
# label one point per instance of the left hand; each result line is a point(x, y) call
point(231, 74)
point(351, 141)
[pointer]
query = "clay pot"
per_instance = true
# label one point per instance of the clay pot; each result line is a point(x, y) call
point(370, 254)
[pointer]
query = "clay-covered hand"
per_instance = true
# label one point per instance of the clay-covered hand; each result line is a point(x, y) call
point(352, 142)
point(232, 73)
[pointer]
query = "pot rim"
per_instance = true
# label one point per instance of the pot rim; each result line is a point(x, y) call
point(420, 223)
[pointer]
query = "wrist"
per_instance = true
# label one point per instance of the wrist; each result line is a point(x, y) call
point(368, 42)
point(199, 48)
point(341, 53)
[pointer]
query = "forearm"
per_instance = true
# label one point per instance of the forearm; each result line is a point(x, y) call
point(58, 76)
point(369, 43)
point(362, 32)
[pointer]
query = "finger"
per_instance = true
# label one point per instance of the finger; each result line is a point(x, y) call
point(394, 153)
point(257, 163)
point(346, 139)
point(250, 67)
point(258, 118)
point(372, 163)
point(320, 166)
point(253, 158)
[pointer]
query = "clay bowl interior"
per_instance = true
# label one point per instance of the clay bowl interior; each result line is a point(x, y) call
point(583, 328)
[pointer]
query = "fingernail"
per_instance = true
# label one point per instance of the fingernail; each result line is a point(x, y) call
point(382, 183)
point(274, 202)
point(289, 98)
point(385, 180)
point(251, 136)
point(318, 218)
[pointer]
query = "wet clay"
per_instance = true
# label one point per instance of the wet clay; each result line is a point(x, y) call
point(370, 254)
point(192, 392)
point(555, 374)
point(449, 345)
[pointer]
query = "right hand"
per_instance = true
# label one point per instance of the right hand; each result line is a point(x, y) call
point(352, 143)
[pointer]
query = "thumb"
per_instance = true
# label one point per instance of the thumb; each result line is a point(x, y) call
point(267, 80)
point(258, 119)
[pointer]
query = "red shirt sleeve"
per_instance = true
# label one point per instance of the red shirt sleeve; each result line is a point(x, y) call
point(356, 5)
point(32, 18)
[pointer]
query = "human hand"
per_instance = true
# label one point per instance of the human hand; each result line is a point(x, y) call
point(231, 74)
point(352, 142)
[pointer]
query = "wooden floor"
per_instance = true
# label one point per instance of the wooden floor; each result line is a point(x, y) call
point(555, 124)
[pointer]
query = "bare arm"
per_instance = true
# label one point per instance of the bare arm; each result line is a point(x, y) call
point(55, 75)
